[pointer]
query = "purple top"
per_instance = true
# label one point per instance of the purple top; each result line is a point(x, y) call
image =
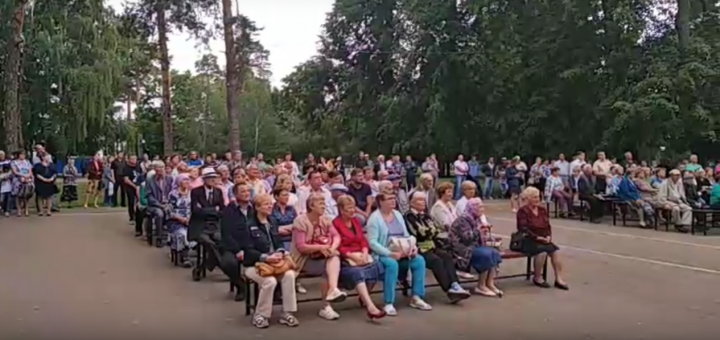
point(395, 227)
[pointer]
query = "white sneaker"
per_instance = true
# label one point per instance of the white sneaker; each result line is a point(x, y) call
point(336, 296)
point(418, 303)
point(300, 289)
point(328, 313)
point(390, 310)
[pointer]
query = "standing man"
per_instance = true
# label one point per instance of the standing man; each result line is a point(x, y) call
point(118, 168)
point(601, 167)
point(131, 185)
point(410, 173)
point(565, 170)
point(489, 171)
point(193, 160)
point(461, 172)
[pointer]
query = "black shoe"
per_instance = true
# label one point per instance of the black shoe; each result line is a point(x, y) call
point(561, 286)
point(240, 294)
point(541, 284)
point(681, 229)
point(138, 234)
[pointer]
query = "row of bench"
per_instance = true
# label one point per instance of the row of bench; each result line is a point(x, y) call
point(252, 289)
point(703, 219)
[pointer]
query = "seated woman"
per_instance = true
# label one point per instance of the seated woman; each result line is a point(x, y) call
point(467, 244)
point(533, 220)
point(283, 215)
point(423, 228)
point(469, 190)
point(628, 191)
point(179, 218)
point(358, 269)
point(315, 245)
point(260, 244)
point(444, 213)
point(555, 190)
point(385, 225)
point(715, 194)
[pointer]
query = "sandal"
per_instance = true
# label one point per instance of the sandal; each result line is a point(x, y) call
point(289, 320)
point(260, 321)
point(485, 294)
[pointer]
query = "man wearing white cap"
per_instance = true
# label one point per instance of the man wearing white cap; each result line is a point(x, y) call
point(207, 201)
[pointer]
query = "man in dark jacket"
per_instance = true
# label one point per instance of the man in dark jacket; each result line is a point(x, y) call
point(207, 202)
point(158, 197)
point(233, 226)
point(586, 192)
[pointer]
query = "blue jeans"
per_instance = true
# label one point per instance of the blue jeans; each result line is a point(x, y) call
point(488, 187)
point(392, 271)
point(458, 190)
point(504, 187)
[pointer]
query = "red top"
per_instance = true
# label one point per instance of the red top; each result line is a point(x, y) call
point(536, 225)
point(352, 240)
point(95, 170)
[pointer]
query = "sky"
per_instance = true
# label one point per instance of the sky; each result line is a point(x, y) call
point(290, 32)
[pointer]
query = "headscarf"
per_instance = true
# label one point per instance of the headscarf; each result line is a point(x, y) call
point(474, 211)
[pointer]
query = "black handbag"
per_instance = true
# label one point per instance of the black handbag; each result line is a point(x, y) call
point(518, 241)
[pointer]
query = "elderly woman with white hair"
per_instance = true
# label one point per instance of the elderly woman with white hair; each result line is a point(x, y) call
point(179, 218)
point(533, 222)
point(671, 193)
point(468, 247)
point(431, 246)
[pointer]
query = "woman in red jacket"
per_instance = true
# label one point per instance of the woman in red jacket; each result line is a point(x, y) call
point(358, 270)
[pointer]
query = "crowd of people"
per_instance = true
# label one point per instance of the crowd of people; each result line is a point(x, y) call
point(378, 221)
point(353, 228)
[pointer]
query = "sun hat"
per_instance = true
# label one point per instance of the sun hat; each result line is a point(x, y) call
point(208, 173)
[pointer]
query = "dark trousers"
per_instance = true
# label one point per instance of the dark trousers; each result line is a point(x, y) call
point(6, 198)
point(139, 219)
point(442, 265)
point(119, 192)
point(130, 193)
point(230, 266)
point(595, 204)
point(601, 184)
point(411, 182)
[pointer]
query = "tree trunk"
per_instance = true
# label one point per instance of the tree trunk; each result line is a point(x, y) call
point(682, 24)
point(167, 125)
point(13, 67)
point(232, 76)
point(129, 108)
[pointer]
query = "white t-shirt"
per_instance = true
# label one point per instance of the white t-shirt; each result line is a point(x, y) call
point(304, 194)
point(461, 168)
point(576, 164)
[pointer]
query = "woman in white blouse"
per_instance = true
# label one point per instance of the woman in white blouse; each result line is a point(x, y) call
point(444, 213)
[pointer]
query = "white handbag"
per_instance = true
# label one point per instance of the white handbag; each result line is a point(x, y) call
point(402, 245)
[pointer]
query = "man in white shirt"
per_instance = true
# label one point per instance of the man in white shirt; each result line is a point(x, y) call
point(578, 162)
point(565, 170)
point(336, 190)
point(601, 167)
point(315, 186)
point(461, 170)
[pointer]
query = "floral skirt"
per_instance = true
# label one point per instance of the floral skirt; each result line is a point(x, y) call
point(69, 193)
point(177, 236)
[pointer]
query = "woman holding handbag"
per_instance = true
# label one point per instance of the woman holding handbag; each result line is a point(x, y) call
point(438, 260)
point(470, 250)
point(267, 263)
point(396, 250)
point(315, 245)
point(358, 269)
point(534, 223)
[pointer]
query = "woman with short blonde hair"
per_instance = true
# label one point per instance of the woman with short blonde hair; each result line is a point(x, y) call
point(443, 211)
point(315, 243)
point(469, 190)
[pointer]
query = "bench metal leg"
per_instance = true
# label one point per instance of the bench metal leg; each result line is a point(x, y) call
point(249, 297)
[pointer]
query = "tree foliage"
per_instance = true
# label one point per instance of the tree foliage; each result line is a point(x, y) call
point(505, 77)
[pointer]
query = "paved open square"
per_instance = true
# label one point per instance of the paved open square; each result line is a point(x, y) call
point(82, 275)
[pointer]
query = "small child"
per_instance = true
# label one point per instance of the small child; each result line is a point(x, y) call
point(6, 187)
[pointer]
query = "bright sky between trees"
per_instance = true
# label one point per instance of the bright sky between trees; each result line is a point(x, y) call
point(290, 32)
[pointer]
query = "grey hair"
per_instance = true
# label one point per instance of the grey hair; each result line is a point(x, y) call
point(157, 164)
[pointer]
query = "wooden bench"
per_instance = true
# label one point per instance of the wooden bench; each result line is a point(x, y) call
point(252, 289)
point(700, 220)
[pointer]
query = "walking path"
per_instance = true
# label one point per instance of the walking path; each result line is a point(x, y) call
point(82, 275)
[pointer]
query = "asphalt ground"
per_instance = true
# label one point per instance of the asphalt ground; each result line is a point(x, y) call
point(82, 275)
